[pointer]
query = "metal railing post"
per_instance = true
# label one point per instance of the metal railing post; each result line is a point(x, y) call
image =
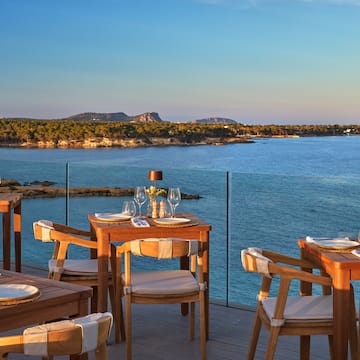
point(67, 197)
point(228, 213)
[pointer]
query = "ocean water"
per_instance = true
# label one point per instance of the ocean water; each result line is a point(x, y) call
point(266, 194)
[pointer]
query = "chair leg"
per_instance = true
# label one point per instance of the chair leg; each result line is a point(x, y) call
point(128, 327)
point(254, 336)
point(117, 310)
point(121, 320)
point(353, 337)
point(202, 325)
point(331, 346)
point(304, 347)
point(192, 321)
point(101, 353)
point(273, 338)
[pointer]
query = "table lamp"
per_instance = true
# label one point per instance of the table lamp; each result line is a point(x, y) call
point(154, 175)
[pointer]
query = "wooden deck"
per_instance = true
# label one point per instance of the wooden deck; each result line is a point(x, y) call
point(161, 333)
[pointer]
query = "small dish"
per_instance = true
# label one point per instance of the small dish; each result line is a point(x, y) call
point(10, 292)
point(112, 216)
point(171, 221)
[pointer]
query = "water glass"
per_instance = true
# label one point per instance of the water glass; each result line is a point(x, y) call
point(129, 208)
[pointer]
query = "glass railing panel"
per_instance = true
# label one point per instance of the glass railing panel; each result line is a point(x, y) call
point(26, 173)
point(274, 211)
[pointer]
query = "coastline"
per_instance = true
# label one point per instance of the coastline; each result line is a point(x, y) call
point(44, 189)
point(126, 143)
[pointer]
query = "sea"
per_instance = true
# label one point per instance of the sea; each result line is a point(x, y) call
point(267, 194)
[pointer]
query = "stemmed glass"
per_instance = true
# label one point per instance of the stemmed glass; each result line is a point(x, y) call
point(174, 198)
point(140, 197)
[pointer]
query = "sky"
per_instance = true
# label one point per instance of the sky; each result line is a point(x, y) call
point(253, 61)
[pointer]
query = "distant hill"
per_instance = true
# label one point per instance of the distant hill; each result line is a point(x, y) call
point(119, 116)
point(145, 117)
point(215, 120)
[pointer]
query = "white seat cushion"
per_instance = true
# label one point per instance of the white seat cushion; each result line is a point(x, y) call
point(163, 282)
point(302, 308)
point(77, 267)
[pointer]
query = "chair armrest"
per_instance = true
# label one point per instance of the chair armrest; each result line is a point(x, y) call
point(71, 230)
point(295, 274)
point(285, 259)
point(71, 239)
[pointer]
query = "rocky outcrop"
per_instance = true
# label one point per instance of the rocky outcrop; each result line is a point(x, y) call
point(146, 117)
point(45, 189)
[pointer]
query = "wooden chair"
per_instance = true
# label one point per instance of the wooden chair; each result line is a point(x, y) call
point(78, 271)
point(67, 337)
point(292, 315)
point(159, 286)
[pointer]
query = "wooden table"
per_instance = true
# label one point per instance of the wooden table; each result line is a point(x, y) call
point(57, 299)
point(9, 201)
point(342, 267)
point(105, 233)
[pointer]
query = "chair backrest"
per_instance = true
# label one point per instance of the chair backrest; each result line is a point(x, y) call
point(253, 260)
point(68, 337)
point(164, 248)
point(160, 248)
point(42, 230)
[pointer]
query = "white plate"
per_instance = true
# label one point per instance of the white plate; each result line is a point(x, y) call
point(17, 291)
point(112, 217)
point(171, 221)
point(336, 243)
point(356, 252)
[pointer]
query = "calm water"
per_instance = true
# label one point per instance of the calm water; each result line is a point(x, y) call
point(279, 190)
point(314, 156)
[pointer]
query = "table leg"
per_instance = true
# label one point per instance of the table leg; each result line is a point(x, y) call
point(305, 289)
point(17, 237)
point(341, 283)
point(103, 271)
point(204, 238)
point(184, 264)
point(6, 225)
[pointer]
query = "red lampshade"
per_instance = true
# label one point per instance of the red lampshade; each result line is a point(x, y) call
point(154, 175)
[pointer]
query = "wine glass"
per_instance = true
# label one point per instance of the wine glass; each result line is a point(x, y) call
point(140, 197)
point(174, 198)
point(129, 208)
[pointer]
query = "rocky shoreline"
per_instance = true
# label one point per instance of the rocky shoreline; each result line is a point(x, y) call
point(125, 143)
point(45, 189)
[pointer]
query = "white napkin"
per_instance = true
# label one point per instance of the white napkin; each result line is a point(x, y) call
point(137, 222)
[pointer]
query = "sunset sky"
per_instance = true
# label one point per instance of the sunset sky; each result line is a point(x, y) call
point(254, 61)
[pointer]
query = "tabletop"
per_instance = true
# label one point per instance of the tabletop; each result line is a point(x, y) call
point(127, 231)
point(9, 199)
point(333, 260)
point(57, 299)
